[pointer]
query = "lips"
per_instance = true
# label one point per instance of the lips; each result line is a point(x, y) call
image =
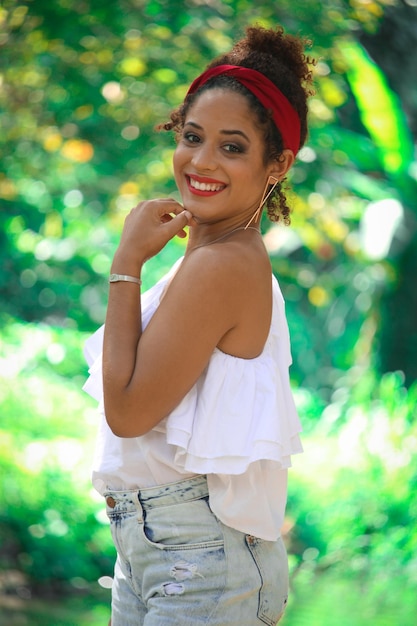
point(204, 186)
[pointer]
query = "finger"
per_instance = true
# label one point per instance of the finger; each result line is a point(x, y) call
point(167, 209)
point(177, 224)
point(175, 207)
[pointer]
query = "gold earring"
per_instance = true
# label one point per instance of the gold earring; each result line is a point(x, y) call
point(271, 183)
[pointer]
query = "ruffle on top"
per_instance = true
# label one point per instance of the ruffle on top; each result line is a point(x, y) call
point(238, 412)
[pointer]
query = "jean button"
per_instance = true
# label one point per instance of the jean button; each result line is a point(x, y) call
point(111, 502)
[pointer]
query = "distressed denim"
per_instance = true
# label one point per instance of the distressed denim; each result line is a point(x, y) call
point(178, 565)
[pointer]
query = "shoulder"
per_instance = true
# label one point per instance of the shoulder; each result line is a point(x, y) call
point(231, 281)
point(220, 265)
point(212, 277)
point(220, 296)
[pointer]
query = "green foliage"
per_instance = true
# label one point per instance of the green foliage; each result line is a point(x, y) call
point(88, 607)
point(343, 601)
point(82, 85)
point(380, 109)
point(352, 496)
point(361, 464)
point(50, 527)
point(81, 93)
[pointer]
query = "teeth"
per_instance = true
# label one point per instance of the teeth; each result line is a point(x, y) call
point(205, 186)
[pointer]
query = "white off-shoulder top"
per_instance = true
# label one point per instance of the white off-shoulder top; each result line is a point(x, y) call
point(238, 425)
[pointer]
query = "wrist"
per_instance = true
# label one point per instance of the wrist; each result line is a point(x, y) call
point(124, 278)
point(125, 265)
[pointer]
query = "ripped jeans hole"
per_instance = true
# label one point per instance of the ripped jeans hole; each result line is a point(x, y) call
point(172, 589)
point(182, 570)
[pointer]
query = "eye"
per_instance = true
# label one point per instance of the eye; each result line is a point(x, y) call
point(191, 137)
point(234, 148)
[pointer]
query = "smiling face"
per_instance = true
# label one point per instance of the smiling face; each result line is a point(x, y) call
point(219, 161)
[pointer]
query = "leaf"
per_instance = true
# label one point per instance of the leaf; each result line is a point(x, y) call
point(380, 108)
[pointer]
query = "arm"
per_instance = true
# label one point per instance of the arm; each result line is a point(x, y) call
point(147, 229)
point(147, 374)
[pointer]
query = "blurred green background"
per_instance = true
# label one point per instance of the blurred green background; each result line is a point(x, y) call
point(82, 85)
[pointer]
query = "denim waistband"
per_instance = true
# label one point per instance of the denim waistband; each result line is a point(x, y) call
point(162, 495)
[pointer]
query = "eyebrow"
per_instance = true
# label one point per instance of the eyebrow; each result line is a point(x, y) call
point(223, 131)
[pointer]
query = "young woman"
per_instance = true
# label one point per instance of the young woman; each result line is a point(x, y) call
point(199, 422)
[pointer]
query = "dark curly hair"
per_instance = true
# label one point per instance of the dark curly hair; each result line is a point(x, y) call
point(281, 58)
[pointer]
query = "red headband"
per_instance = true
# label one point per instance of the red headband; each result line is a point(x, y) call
point(285, 116)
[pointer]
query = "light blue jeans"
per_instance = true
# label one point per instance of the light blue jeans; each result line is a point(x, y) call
point(178, 565)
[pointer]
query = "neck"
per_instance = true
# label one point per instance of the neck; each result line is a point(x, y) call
point(213, 239)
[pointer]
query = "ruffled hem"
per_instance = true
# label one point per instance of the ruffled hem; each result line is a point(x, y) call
point(240, 411)
point(235, 416)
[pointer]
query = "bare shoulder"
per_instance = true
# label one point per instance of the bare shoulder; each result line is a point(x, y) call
point(231, 270)
point(233, 283)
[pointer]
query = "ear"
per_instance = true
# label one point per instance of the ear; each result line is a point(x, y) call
point(280, 167)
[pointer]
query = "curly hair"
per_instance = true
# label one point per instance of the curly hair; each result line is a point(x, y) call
point(281, 58)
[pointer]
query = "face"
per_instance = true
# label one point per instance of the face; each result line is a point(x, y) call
point(219, 161)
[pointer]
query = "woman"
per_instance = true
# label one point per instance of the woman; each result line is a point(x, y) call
point(200, 423)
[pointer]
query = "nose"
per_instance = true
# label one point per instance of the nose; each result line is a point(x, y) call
point(204, 158)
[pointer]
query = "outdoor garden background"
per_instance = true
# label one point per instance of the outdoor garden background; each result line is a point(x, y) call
point(82, 85)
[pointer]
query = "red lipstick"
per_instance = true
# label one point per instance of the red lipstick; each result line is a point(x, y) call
point(204, 186)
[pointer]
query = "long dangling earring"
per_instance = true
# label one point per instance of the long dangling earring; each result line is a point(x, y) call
point(271, 183)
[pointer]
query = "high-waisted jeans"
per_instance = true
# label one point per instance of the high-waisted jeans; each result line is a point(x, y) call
point(178, 565)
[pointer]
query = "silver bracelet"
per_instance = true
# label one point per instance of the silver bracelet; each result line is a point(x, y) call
point(115, 278)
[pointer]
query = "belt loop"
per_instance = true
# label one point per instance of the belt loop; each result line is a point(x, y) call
point(138, 504)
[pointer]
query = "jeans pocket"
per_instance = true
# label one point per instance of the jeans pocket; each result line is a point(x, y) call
point(272, 564)
point(187, 525)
